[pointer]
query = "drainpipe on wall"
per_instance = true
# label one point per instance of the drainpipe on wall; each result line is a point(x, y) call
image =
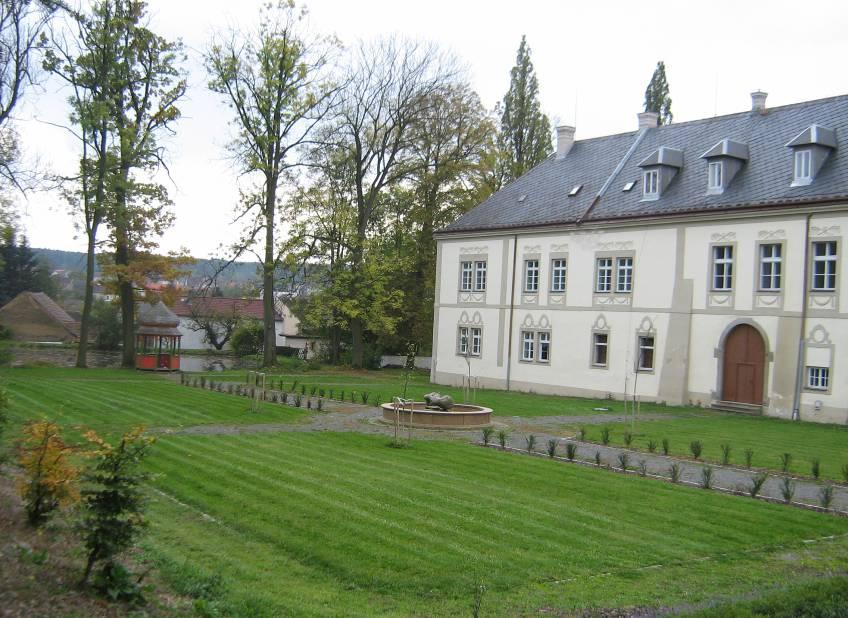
point(511, 309)
point(799, 367)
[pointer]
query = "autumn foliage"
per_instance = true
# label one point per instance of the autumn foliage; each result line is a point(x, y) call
point(49, 479)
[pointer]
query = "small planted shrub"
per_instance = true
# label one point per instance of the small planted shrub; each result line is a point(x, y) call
point(652, 446)
point(845, 472)
point(787, 489)
point(605, 435)
point(674, 472)
point(332, 395)
point(749, 457)
point(628, 438)
point(785, 461)
point(643, 467)
point(202, 382)
point(570, 450)
point(320, 392)
point(353, 396)
point(297, 401)
point(302, 389)
point(598, 460)
point(757, 482)
point(502, 438)
point(695, 447)
point(581, 434)
point(725, 454)
point(665, 448)
point(320, 404)
point(294, 386)
point(364, 397)
point(552, 447)
point(706, 477)
point(815, 468)
point(487, 435)
point(341, 396)
point(308, 404)
point(49, 479)
point(313, 390)
point(531, 442)
point(826, 497)
point(623, 461)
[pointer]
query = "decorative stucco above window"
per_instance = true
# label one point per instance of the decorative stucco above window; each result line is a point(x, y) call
point(810, 149)
point(724, 160)
point(658, 170)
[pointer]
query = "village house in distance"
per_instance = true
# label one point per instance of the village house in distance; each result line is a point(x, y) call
point(696, 262)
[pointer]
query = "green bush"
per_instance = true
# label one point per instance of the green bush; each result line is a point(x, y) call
point(695, 447)
point(503, 436)
point(248, 338)
point(581, 434)
point(570, 450)
point(552, 447)
point(487, 435)
point(815, 468)
point(757, 482)
point(643, 467)
point(785, 461)
point(826, 497)
point(725, 454)
point(674, 472)
point(749, 457)
point(628, 438)
point(605, 435)
point(706, 477)
point(106, 324)
point(787, 489)
point(531, 442)
point(652, 446)
point(623, 461)
point(665, 448)
point(598, 460)
point(845, 472)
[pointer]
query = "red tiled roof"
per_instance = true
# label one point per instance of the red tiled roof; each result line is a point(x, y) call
point(216, 305)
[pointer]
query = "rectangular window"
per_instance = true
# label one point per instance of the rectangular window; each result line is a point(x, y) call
point(651, 183)
point(723, 267)
point(476, 341)
point(603, 282)
point(803, 165)
point(818, 378)
point(716, 170)
point(544, 347)
point(531, 275)
point(479, 276)
point(824, 265)
point(528, 345)
point(465, 278)
point(646, 353)
point(600, 344)
point(624, 275)
point(771, 263)
point(463, 340)
point(558, 268)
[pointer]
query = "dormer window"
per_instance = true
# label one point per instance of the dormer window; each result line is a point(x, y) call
point(803, 167)
point(716, 171)
point(651, 184)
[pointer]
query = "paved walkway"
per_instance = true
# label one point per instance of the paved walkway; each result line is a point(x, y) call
point(340, 416)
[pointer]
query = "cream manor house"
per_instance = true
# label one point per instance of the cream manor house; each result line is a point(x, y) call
point(700, 262)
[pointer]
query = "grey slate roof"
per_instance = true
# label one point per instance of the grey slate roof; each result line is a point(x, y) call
point(763, 181)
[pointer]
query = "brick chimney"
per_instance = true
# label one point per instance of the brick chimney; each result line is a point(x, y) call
point(758, 101)
point(565, 140)
point(648, 120)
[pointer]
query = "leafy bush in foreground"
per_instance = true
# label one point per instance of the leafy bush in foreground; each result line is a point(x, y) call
point(49, 479)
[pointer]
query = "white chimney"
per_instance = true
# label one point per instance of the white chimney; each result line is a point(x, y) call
point(648, 120)
point(565, 140)
point(758, 101)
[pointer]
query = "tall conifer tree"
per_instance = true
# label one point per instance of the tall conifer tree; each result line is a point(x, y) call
point(657, 98)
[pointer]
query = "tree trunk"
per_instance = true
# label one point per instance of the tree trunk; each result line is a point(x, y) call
point(269, 355)
point(357, 344)
point(82, 348)
point(122, 261)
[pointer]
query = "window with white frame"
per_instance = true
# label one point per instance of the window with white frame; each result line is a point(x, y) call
point(558, 271)
point(544, 347)
point(803, 165)
point(723, 267)
point(715, 175)
point(600, 347)
point(818, 378)
point(651, 183)
point(771, 265)
point(465, 279)
point(528, 345)
point(646, 353)
point(824, 266)
point(470, 341)
point(480, 276)
point(624, 275)
point(531, 275)
point(603, 276)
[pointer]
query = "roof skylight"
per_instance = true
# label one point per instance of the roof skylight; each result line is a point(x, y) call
point(628, 186)
point(575, 190)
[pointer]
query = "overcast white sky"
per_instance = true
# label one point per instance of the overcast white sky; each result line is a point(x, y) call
point(593, 59)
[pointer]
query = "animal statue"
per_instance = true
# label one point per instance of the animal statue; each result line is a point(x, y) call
point(437, 400)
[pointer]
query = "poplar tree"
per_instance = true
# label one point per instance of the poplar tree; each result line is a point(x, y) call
point(525, 136)
point(657, 98)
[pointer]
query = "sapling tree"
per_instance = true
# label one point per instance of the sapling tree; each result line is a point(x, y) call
point(113, 500)
point(49, 478)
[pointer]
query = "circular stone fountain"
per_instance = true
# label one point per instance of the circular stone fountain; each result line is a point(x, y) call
point(460, 416)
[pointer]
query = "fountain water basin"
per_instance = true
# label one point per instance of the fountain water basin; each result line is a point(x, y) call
point(460, 416)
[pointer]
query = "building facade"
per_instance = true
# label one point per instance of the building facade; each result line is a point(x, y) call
point(699, 262)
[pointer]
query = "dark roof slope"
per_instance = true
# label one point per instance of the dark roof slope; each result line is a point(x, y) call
point(763, 181)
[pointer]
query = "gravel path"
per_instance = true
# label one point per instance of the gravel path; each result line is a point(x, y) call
point(339, 416)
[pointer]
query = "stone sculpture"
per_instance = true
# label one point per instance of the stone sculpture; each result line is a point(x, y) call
point(437, 400)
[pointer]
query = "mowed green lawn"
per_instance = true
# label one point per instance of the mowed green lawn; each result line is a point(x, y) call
point(387, 383)
point(112, 401)
point(767, 437)
point(324, 523)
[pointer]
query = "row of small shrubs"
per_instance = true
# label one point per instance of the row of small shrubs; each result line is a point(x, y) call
point(787, 487)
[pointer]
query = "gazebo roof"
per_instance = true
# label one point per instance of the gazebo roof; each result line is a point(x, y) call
point(157, 319)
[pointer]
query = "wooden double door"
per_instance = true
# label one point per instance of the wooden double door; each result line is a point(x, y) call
point(744, 366)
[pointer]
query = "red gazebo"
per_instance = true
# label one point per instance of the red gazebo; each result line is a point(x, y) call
point(157, 338)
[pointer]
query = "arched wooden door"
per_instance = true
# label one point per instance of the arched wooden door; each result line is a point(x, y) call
point(744, 366)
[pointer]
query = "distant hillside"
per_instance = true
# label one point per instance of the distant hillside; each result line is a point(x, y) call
point(238, 272)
